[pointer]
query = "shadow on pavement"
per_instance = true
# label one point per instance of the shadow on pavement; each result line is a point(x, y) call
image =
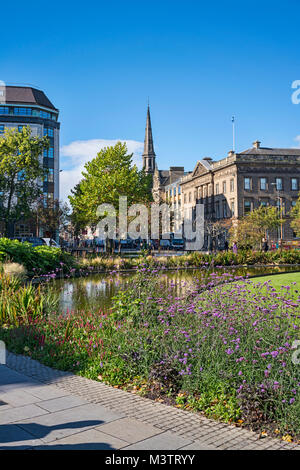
point(20, 433)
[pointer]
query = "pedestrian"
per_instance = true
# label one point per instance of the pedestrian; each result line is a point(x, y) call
point(226, 245)
point(234, 248)
point(265, 245)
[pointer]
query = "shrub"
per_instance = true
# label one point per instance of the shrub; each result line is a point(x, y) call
point(36, 260)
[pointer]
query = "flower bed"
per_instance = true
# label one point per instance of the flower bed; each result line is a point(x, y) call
point(225, 351)
point(195, 259)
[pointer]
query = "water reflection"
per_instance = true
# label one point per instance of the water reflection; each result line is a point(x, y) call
point(96, 291)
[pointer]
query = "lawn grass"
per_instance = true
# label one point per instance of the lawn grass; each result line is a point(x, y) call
point(280, 280)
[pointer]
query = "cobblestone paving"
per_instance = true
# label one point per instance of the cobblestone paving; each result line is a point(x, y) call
point(184, 424)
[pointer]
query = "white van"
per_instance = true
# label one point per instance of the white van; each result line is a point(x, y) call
point(51, 242)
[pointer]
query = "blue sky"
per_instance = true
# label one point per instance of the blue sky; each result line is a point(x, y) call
point(199, 63)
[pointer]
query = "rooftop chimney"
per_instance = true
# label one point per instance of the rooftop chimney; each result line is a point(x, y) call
point(256, 144)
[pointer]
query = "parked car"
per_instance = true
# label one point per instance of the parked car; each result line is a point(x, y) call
point(126, 243)
point(165, 244)
point(177, 244)
point(51, 242)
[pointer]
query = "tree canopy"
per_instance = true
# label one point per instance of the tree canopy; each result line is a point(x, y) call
point(52, 217)
point(20, 170)
point(106, 177)
point(295, 215)
point(253, 227)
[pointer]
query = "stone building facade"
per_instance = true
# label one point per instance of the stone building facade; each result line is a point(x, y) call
point(233, 186)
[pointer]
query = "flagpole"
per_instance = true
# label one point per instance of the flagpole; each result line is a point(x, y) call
point(233, 134)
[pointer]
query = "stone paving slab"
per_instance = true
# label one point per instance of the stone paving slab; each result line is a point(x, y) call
point(13, 437)
point(39, 391)
point(130, 430)
point(164, 441)
point(19, 397)
point(177, 427)
point(62, 403)
point(86, 440)
point(61, 424)
point(22, 412)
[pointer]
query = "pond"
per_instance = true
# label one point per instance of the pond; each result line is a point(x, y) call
point(95, 291)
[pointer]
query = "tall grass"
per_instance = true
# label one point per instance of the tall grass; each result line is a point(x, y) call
point(20, 304)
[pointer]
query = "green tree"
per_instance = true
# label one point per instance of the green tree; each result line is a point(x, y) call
point(109, 175)
point(295, 215)
point(52, 217)
point(253, 227)
point(20, 170)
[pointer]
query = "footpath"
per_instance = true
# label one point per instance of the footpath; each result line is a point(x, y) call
point(43, 408)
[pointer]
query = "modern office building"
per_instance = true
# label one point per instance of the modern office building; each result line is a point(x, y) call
point(23, 106)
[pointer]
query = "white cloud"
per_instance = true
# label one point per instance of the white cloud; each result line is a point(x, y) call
point(77, 153)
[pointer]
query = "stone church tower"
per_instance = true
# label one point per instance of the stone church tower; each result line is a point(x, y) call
point(149, 154)
point(161, 178)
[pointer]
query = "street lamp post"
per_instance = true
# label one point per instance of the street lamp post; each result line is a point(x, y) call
point(280, 214)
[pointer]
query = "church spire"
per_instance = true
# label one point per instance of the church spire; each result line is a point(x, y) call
point(149, 154)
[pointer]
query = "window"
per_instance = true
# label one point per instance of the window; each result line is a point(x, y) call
point(48, 197)
point(278, 184)
point(179, 190)
point(217, 188)
point(280, 204)
point(294, 184)
point(247, 184)
point(232, 208)
point(184, 198)
point(263, 203)
point(49, 152)
point(20, 128)
point(231, 186)
point(49, 175)
point(49, 131)
point(224, 209)
point(294, 203)
point(23, 111)
point(45, 115)
point(1, 129)
point(247, 207)
point(190, 197)
point(224, 187)
point(263, 184)
point(217, 210)
point(4, 110)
